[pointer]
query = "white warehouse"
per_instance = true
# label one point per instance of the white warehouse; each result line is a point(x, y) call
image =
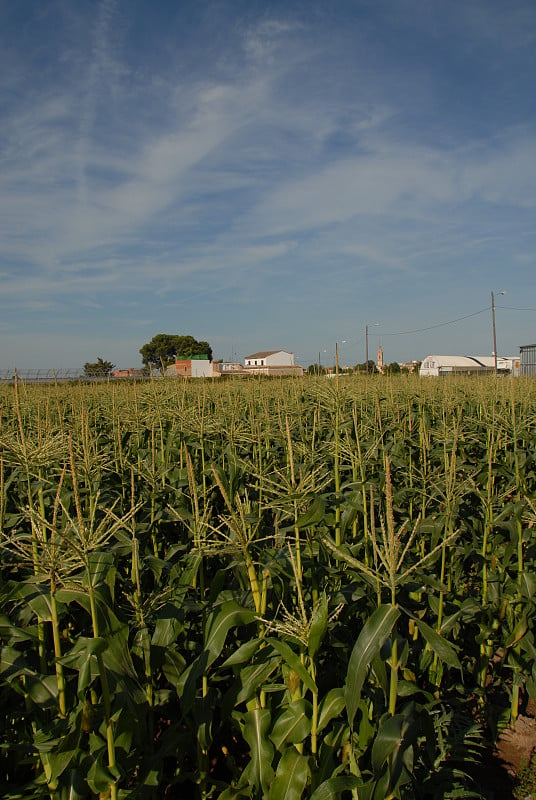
point(440, 366)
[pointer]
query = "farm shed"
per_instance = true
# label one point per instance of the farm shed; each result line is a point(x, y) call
point(441, 366)
point(528, 360)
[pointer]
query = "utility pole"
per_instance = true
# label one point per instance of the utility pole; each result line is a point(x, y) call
point(494, 332)
point(366, 342)
point(493, 326)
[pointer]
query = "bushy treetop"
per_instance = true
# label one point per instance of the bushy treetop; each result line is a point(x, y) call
point(163, 348)
point(98, 368)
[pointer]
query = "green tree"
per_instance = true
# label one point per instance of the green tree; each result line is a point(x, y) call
point(98, 369)
point(363, 367)
point(162, 349)
point(393, 368)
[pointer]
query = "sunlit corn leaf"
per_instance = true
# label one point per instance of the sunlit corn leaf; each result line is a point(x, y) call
point(374, 633)
point(291, 776)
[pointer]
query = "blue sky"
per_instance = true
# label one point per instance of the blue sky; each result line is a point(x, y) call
point(266, 175)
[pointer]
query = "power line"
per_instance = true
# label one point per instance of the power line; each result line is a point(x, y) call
point(449, 322)
point(431, 327)
point(514, 308)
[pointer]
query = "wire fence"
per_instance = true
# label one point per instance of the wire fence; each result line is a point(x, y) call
point(47, 376)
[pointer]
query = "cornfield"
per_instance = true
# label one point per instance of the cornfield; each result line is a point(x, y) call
point(263, 588)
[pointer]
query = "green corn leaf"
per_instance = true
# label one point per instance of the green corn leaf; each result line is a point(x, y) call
point(293, 725)
point(99, 779)
point(244, 653)
point(393, 748)
point(517, 634)
point(379, 789)
point(313, 515)
point(186, 685)
point(39, 602)
point(333, 788)
point(77, 785)
point(259, 771)
point(11, 634)
point(85, 646)
point(444, 649)
point(74, 596)
point(12, 663)
point(61, 756)
point(203, 718)
point(330, 707)
point(380, 673)
point(293, 662)
point(291, 776)
point(368, 644)
point(43, 690)
point(82, 658)
point(188, 573)
point(168, 626)
point(100, 563)
point(387, 740)
point(528, 585)
point(173, 666)
point(254, 676)
point(219, 623)
point(117, 655)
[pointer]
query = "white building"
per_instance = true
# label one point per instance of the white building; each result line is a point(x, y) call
point(194, 367)
point(272, 362)
point(468, 365)
point(528, 359)
point(228, 367)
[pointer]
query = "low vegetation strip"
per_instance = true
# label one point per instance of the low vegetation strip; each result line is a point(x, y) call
point(270, 589)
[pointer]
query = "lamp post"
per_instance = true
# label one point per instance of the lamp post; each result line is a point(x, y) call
point(366, 342)
point(493, 326)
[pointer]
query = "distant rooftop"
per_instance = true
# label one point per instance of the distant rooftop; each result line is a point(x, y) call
point(264, 353)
